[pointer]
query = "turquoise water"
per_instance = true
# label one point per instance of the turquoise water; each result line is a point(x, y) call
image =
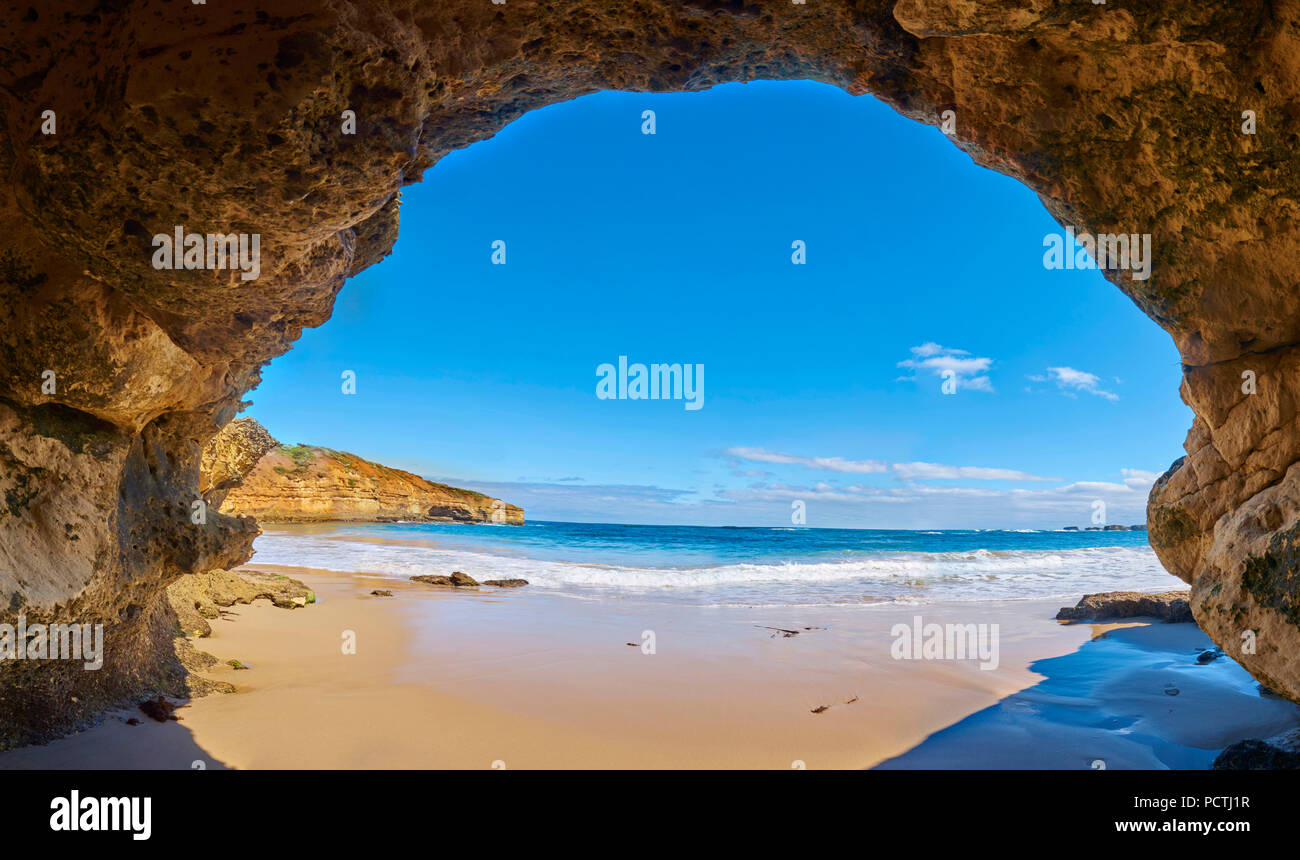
point(737, 566)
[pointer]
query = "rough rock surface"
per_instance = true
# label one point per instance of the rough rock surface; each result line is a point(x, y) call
point(456, 580)
point(302, 483)
point(230, 456)
point(227, 117)
point(200, 597)
point(1171, 606)
point(1281, 752)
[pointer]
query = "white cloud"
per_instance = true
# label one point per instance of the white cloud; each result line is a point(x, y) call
point(904, 471)
point(897, 505)
point(938, 471)
point(832, 464)
point(1139, 479)
point(968, 371)
point(931, 506)
point(1070, 381)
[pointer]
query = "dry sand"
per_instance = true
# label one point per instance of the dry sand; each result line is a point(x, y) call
point(527, 678)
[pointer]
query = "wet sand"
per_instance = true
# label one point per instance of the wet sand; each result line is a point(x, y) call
point(527, 678)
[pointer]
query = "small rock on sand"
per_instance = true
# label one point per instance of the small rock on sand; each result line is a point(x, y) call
point(159, 709)
point(506, 583)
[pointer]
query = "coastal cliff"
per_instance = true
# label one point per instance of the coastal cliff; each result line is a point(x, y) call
point(302, 483)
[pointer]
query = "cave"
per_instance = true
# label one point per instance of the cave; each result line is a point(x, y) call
point(302, 122)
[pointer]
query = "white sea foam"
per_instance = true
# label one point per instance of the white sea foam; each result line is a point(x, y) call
point(861, 577)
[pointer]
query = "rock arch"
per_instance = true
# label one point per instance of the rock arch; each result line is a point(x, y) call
point(229, 119)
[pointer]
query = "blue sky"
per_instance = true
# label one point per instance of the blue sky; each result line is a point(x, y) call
point(822, 381)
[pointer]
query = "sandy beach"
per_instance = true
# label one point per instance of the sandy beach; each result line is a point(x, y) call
point(525, 678)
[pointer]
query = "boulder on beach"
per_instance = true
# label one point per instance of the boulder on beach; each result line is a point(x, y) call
point(464, 580)
point(457, 580)
point(1170, 606)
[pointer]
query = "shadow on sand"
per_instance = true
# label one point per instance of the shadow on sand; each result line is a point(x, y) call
point(1133, 697)
point(113, 744)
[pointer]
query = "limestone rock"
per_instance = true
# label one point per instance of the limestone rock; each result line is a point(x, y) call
point(301, 484)
point(1171, 606)
point(456, 580)
point(200, 597)
point(226, 117)
point(231, 456)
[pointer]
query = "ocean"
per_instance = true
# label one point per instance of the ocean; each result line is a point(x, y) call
point(737, 566)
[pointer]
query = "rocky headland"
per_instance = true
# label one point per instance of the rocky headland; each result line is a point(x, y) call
point(310, 484)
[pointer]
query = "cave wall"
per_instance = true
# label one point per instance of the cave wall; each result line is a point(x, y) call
point(226, 118)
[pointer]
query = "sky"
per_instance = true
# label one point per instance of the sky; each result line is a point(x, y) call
point(823, 383)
